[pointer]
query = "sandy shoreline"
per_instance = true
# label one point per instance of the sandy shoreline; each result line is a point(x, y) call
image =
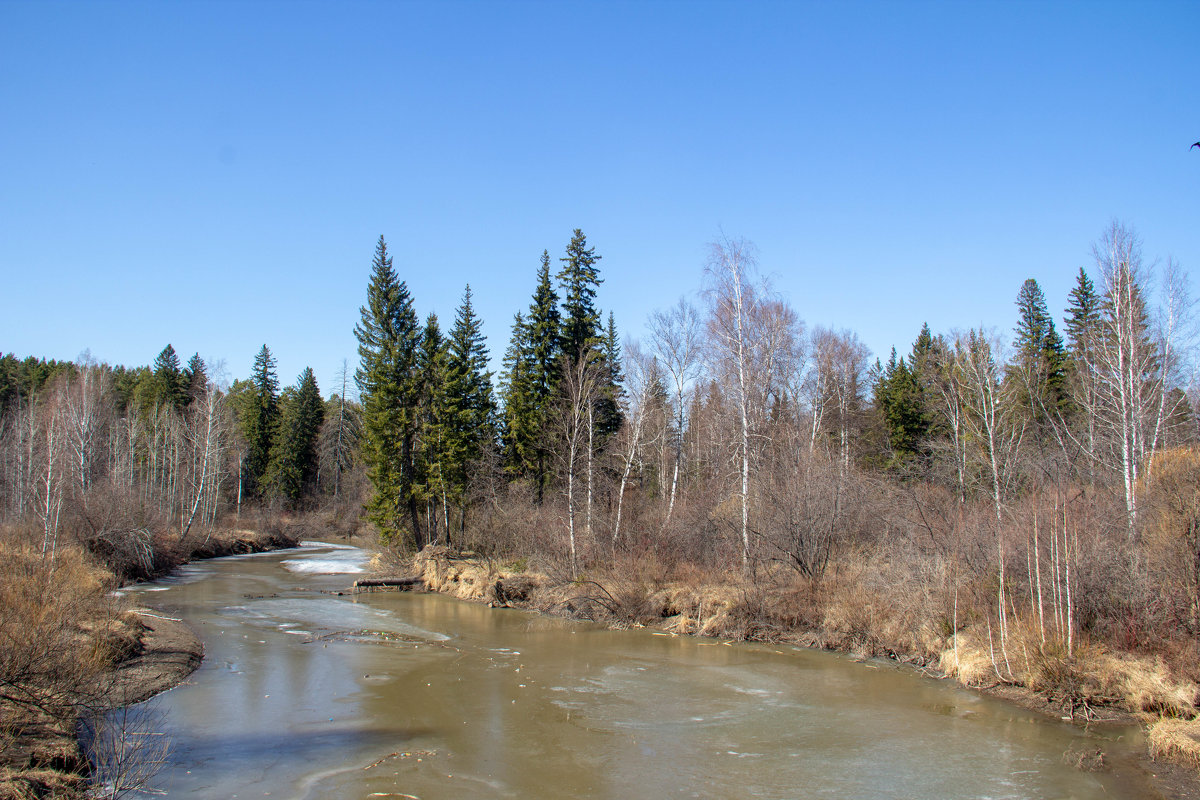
point(170, 652)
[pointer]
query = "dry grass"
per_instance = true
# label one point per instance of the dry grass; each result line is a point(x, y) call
point(1146, 684)
point(970, 661)
point(33, 784)
point(59, 629)
point(1177, 741)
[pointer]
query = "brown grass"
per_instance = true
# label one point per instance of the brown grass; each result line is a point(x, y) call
point(1177, 741)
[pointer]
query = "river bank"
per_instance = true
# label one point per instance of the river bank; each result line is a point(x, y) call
point(1132, 691)
point(108, 657)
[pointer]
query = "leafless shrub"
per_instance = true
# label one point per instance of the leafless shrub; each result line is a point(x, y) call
point(126, 750)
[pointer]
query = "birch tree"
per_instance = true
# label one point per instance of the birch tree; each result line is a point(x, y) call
point(733, 300)
point(676, 337)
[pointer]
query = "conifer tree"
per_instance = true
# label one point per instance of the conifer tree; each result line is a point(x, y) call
point(389, 385)
point(196, 378)
point(435, 455)
point(1082, 318)
point(900, 404)
point(170, 384)
point(1033, 319)
point(260, 415)
point(532, 373)
point(472, 422)
point(1084, 328)
point(608, 408)
point(1040, 357)
point(579, 278)
point(293, 465)
point(518, 421)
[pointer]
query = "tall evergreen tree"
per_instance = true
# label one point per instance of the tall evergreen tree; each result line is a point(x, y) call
point(900, 404)
point(196, 375)
point(293, 465)
point(472, 423)
point(608, 408)
point(519, 431)
point(1040, 357)
point(579, 277)
point(170, 384)
point(1033, 320)
point(470, 383)
point(435, 454)
point(260, 415)
point(532, 373)
point(389, 384)
point(1083, 319)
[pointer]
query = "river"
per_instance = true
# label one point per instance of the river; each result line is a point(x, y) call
point(307, 694)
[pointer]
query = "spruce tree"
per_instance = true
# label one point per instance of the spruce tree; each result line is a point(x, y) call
point(608, 409)
point(170, 385)
point(293, 465)
point(579, 277)
point(472, 424)
point(1083, 320)
point(196, 378)
point(544, 336)
point(519, 430)
point(1033, 320)
point(900, 404)
point(435, 455)
point(260, 415)
point(1040, 355)
point(389, 384)
point(470, 384)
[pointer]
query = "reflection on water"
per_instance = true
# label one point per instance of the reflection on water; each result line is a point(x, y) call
point(305, 694)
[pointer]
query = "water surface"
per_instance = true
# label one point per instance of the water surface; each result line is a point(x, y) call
point(306, 694)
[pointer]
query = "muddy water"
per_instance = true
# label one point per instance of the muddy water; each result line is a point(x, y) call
point(305, 694)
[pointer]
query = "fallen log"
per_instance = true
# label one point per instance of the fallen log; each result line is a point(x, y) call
point(400, 583)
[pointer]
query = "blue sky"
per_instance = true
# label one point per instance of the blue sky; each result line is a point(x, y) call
point(216, 174)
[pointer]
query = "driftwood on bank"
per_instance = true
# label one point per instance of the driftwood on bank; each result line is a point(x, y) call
point(404, 584)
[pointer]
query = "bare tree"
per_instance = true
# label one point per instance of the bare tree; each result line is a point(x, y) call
point(834, 387)
point(732, 298)
point(997, 428)
point(641, 375)
point(574, 425)
point(676, 338)
point(1135, 365)
point(83, 413)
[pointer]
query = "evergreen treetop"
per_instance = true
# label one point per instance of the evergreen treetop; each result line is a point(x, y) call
point(579, 277)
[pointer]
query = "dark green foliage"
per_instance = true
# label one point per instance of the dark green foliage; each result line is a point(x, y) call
point(579, 278)
point(24, 378)
point(1040, 360)
point(899, 401)
point(125, 383)
point(472, 424)
point(390, 385)
point(259, 415)
point(608, 408)
point(518, 434)
point(293, 464)
point(435, 458)
point(196, 374)
point(169, 386)
point(1083, 319)
point(530, 382)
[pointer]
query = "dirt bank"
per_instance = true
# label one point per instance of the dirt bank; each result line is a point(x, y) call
point(149, 652)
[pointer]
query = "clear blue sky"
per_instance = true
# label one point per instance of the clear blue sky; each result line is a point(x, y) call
point(216, 174)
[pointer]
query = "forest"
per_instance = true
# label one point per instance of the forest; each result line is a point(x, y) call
point(1013, 508)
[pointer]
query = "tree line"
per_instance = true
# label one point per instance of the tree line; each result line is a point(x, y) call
point(736, 437)
point(1049, 482)
point(120, 455)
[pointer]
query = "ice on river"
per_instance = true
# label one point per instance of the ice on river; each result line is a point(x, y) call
point(327, 559)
